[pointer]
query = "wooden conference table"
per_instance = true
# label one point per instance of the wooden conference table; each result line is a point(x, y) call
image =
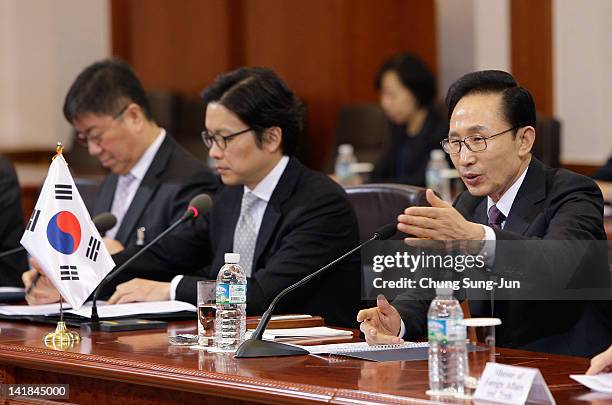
point(140, 367)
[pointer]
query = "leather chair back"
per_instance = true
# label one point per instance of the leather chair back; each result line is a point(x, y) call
point(380, 204)
point(375, 206)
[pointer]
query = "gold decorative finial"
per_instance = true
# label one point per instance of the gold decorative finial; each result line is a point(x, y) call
point(59, 149)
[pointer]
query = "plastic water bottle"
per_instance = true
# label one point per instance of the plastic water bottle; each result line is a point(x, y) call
point(447, 346)
point(436, 174)
point(344, 160)
point(230, 320)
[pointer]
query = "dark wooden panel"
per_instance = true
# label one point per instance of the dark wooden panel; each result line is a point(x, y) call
point(327, 50)
point(121, 28)
point(178, 46)
point(584, 169)
point(532, 57)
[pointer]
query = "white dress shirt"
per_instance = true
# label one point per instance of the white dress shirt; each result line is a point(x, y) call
point(138, 171)
point(263, 190)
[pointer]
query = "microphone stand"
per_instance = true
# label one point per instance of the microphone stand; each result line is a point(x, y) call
point(255, 346)
point(10, 252)
point(94, 324)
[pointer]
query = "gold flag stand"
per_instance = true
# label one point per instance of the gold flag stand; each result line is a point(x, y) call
point(62, 338)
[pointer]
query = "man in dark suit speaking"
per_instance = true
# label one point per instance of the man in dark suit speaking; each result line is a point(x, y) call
point(510, 196)
point(285, 220)
point(152, 178)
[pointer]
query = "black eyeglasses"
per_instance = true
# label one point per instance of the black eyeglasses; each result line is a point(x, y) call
point(220, 140)
point(84, 139)
point(475, 143)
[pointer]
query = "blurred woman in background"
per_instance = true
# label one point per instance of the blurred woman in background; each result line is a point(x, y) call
point(415, 127)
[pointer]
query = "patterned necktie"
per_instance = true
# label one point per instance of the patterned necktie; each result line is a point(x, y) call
point(245, 234)
point(120, 202)
point(496, 218)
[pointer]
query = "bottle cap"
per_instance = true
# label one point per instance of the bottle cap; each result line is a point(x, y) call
point(345, 149)
point(444, 291)
point(437, 154)
point(232, 258)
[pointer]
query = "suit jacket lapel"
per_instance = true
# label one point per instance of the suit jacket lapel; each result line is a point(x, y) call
point(273, 213)
point(229, 210)
point(474, 209)
point(532, 191)
point(106, 194)
point(146, 189)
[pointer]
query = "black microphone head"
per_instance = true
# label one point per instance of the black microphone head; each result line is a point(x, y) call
point(198, 205)
point(386, 231)
point(104, 221)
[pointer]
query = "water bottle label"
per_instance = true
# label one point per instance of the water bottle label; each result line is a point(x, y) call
point(231, 294)
point(445, 330)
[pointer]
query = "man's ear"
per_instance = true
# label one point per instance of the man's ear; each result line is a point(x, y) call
point(526, 137)
point(272, 139)
point(135, 116)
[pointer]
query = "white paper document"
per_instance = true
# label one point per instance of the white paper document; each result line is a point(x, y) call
point(358, 347)
point(104, 310)
point(31, 310)
point(312, 332)
point(11, 289)
point(134, 308)
point(598, 382)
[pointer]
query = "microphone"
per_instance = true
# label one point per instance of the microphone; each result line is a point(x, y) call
point(255, 346)
point(197, 206)
point(103, 223)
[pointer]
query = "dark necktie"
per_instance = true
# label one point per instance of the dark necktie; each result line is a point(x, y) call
point(483, 307)
point(496, 218)
point(245, 234)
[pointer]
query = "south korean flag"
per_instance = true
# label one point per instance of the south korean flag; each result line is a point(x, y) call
point(62, 238)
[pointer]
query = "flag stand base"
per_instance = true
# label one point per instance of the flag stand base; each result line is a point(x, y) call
point(62, 338)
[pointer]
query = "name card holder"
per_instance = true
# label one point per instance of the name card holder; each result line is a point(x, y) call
point(512, 385)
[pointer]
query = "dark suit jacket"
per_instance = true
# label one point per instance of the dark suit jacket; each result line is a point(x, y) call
point(551, 204)
point(11, 226)
point(308, 222)
point(404, 158)
point(172, 180)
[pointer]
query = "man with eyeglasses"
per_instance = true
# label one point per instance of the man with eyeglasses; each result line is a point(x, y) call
point(510, 196)
point(284, 220)
point(152, 178)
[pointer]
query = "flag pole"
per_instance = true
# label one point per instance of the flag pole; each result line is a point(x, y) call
point(62, 338)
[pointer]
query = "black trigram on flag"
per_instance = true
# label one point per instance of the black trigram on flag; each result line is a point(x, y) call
point(93, 248)
point(69, 273)
point(63, 192)
point(33, 220)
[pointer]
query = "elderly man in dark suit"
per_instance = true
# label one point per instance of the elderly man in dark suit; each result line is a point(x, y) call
point(285, 220)
point(152, 178)
point(510, 196)
point(11, 226)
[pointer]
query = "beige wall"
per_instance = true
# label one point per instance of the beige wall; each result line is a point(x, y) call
point(582, 49)
point(43, 46)
point(472, 35)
